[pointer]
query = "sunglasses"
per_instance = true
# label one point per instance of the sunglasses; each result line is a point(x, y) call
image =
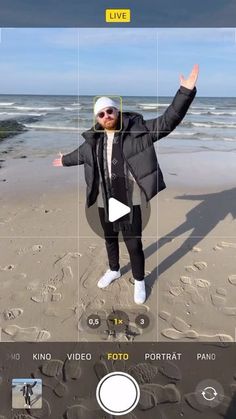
point(108, 111)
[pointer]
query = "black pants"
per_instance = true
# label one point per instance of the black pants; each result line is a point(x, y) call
point(132, 241)
point(27, 400)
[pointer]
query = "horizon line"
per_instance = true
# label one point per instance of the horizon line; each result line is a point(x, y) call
point(74, 95)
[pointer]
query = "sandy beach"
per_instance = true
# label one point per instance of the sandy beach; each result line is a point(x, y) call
point(50, 258)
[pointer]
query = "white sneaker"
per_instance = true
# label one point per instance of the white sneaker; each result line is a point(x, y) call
point(25, 406)
point(107, 278)
point(139, 291)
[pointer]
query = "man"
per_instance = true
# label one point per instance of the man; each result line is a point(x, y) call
point(120, 162)
point(27, 393)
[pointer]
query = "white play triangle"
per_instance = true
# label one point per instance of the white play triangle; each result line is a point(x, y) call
point(116, 209)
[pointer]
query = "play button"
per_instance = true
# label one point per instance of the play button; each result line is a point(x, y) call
point(116, 209)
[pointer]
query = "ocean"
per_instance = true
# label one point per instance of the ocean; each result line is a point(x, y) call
point(55, 123)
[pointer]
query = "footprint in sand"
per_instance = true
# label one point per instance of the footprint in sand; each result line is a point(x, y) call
point(147, 400)
point(153, 394)
point(41, 297)
point(194, 294)
point(218, 300)
point(71, 370)
point(200, 265)
point(44, 294)
point(28, 334)
point(217, 247)
point(48, 288)
point(7, 268)
point(226, 245)
point(12, 313)
point(221, 291)
point(196, 266)
point(66, 274)
point(176, 291)
point(174, 334)
point(202, 283)
point(64, 260)
point(143, 373)
point(190, 268)
point(52, 368)
point(100, 369)
point(60, 389)
point(92, 248)
point(5, 220)
point(192, 334)
point(229, 311)
point(56, 297)
point(170, 370)
point(196, 249)
point(37, 247)
point(164, 315)
point(180, 325)
point(186, 280)
point(232, 279)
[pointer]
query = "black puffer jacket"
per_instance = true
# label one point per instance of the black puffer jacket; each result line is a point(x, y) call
point(137, 137)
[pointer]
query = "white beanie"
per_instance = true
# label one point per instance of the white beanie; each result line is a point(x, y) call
point(102, 103)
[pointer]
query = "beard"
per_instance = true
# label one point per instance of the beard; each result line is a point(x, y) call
point(109, 123)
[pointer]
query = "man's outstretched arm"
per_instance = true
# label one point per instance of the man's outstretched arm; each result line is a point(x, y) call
point(176, 111)
point(71, 159)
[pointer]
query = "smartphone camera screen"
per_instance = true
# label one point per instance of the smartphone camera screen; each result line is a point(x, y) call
point(117, 224)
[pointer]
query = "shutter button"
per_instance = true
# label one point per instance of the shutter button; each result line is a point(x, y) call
point(118, 393)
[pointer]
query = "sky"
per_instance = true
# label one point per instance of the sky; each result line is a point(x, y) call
point(118, 61)
point(26, 380)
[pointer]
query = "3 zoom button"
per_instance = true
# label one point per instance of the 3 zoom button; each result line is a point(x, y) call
point(118, 393)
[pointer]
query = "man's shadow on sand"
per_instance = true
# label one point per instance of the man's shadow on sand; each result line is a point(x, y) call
point(231, 412)
point(200, 220)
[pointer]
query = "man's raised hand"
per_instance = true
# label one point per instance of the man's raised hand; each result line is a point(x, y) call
point(58, 162)
point(190, 82)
